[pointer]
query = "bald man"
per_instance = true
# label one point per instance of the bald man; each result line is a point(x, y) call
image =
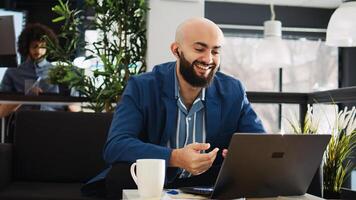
point(184, 112)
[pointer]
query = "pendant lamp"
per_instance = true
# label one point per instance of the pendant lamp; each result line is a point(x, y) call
point(272, 51)
point(341, 31)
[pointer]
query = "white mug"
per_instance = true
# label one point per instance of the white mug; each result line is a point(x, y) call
point(149, 176)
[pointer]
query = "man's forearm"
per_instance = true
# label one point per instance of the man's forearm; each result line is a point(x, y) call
point(6, 109)
point(174, 161)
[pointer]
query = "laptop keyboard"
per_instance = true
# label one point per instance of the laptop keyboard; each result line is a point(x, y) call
point(206, 191)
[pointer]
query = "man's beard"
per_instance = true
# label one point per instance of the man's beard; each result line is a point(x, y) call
point(187, 71)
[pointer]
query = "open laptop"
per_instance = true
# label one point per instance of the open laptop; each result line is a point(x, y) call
point(267, 165)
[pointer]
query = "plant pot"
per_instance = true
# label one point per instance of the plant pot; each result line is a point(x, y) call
point(346, 193)
point(331, 194)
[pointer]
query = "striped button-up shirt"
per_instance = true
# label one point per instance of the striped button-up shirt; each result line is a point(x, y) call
point(190, 123)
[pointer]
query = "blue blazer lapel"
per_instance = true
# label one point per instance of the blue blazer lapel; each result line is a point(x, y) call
point(213, 113)
point(169, 103)
point(170, 121)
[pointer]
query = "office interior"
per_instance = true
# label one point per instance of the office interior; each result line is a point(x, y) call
point(318, 74)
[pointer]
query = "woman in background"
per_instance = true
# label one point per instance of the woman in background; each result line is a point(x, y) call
point(30, 77)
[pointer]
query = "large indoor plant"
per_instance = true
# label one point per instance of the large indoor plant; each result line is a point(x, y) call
point(336, 164)
point(119, 52)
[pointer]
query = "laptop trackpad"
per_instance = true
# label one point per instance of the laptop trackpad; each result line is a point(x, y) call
point(206, 191)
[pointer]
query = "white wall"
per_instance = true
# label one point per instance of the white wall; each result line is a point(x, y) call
point(163, 18)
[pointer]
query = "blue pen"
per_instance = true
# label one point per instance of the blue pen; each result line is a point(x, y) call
point(173, 192)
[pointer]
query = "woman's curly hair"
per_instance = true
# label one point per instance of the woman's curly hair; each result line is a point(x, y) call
point(34, 32)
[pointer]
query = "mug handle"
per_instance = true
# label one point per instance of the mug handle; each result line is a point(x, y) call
point(133, 174)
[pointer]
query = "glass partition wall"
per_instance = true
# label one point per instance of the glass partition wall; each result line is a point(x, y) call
point(314, 68)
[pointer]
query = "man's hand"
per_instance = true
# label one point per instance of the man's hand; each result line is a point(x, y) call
point(224, 153)
point(190, 158)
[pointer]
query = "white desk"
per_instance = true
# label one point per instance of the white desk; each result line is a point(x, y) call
point(133, 194)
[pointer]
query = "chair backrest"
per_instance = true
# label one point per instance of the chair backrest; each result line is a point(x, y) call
point(59, 146)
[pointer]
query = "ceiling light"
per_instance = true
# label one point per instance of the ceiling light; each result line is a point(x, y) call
point(341, 31)
point(272, 51)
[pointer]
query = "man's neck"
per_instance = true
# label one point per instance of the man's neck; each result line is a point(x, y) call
point(186, 91)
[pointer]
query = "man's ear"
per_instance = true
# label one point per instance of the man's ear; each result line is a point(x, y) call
point(174, 50)
point(177, 52)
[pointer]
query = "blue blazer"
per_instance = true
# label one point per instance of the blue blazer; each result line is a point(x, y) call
point(146, 116)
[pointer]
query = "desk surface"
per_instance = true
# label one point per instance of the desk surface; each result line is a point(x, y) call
point(133, 194)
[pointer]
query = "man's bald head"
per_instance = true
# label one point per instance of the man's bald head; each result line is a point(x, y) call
point(197, 48)
point(195, 27)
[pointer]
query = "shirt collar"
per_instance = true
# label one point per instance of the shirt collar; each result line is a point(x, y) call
point(42, 63)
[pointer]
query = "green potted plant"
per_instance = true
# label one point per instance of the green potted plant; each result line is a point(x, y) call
point(336, 164)
point(119, 53)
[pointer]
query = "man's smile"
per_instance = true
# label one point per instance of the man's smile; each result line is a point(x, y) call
point(203, 66)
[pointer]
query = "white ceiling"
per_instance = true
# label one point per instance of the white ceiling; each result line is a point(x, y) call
point(301, 3)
